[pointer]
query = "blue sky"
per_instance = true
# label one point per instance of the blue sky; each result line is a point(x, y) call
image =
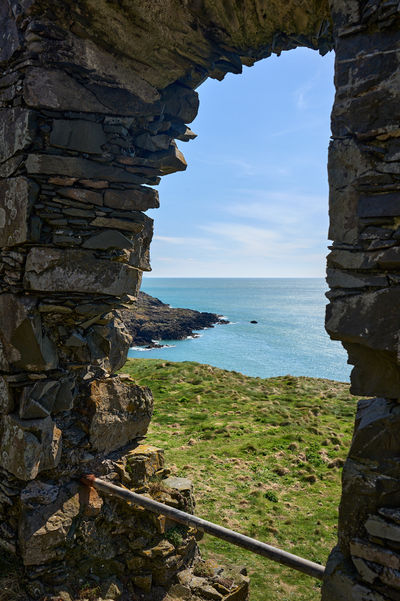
point(253, 201)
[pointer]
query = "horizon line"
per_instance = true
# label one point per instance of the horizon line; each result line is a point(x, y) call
point(241, 277)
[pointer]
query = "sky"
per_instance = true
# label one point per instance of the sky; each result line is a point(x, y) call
point(253, 201)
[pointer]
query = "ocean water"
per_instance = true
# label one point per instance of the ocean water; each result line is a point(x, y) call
point(289, 337)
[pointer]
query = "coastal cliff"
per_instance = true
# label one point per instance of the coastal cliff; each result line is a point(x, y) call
point(150, 320)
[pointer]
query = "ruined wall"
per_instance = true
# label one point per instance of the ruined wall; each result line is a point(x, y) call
point(79, 151)
point(93, 95)
point(364, 310)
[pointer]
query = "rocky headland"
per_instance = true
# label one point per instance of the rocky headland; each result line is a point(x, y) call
point(150, 320)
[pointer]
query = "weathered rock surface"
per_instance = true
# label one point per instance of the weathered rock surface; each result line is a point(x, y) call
point(16, 197)
point(29, 446)
point(149, 320)
point(122, 413)
point(78, 271)
point(44, 530)
point(23, 345)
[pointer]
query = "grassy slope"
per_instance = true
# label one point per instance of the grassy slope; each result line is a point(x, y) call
point(264, 456)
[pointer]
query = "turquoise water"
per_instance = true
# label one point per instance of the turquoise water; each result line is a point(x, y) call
point(289, 337)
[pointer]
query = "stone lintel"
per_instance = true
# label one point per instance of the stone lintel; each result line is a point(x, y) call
point(54, 270)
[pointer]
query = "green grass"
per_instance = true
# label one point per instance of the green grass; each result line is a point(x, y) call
point(265, 457)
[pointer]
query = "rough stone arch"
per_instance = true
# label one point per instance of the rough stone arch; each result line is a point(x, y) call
point(92, 95)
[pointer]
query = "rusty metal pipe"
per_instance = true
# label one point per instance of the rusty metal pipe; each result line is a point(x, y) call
point(292, 561)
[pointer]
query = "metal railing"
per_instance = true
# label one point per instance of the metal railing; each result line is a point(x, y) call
point(288, 559)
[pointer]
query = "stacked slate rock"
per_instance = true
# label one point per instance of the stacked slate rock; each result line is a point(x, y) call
point(84, 139)
point(78, 155)
point(364, 277)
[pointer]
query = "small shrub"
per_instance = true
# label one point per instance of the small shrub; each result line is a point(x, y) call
point(313, 455)
point(176, 535)
point(203, 569)
point(271, 496)
point(91, 593)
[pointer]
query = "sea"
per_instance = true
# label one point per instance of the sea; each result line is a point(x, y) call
point(288, 338)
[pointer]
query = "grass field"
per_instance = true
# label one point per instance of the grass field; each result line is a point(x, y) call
point(265, 457)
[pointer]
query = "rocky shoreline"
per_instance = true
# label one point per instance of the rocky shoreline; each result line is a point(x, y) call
point(150, 320)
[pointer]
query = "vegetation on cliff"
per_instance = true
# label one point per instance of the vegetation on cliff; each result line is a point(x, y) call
point(265, 458)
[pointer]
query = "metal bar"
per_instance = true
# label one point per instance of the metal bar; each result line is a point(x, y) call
point(292, 561)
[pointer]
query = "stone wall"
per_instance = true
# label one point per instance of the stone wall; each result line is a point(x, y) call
point(364, 310)
point(93, 96)
point(83, 142)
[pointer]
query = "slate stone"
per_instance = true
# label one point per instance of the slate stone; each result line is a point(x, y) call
point(52, 270)
point(377, 422)
point(139, 199)
point(179, 131)
point(120, 224)
point(122, 413)
point(64, 398)
point(393, 514)
point(82, 195)
point(108, 239)
point(354, 260)
point(180, 484)
point(361, 74)
point(75, 340)
point(169, 161)
point(368, 319)
point(10, 167)
point(342, 584)
point(81, 135)
point(96, 184)
point(93, 57)
point(17, 131)
point(62, 181)
point(128, 104)
point(36, 492)
point(379, 205)
point(16, 197)
point(346, 163)
point(389, 258)
point(6, 397)
point(140, 253)
point(23, 344)
point(376, 526)
point(153, 143)
point(371, 113)
point(361, 45)
point(369, 551)
point(72, 212)
point(50, 164)
point(38, 401)
point(390, 578)
point(56, 89)
point(180, 102)
point(43, 530)
point(375, 371)
point(11, 42)
point(364, 569)
point(119, 342)
point(29, 446)
point(342, 279)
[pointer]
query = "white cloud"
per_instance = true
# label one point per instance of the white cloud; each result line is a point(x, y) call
point(243, 167)
point(281, 208)
point(306, 94)
point(186, 241)
point(255, 241)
